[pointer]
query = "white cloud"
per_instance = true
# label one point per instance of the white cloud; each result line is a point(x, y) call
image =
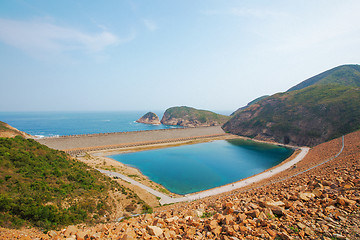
point(336, 26)
point(245, 12)
point(150, 25)
point(43, 37)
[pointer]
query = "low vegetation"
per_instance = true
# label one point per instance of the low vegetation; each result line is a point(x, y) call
point(43, 187)
point(347, 75)
point(323, 108)
point(191, 115)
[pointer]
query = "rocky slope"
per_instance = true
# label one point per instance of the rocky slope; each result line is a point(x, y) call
point(8, 131)
point(191, 117)
point(308, 116)
point(149, 118)
point(249, 104)
point(322, 203)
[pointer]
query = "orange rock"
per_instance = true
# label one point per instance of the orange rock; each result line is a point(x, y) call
point(213, 224)
point(271, 232)
point(344, 201)
point(228, 205)
point(125, 237)
point(218, 216)
point(302, 234)
point(243, 229)
point(253, 213)
point(269, 213)
point(71, 230)
point(52, 233)
point(306, 196)
point(80, 235)
point(172, 219)
point(284, 236)
point(229, 230)
point(317, 192)
point(154, 230)
point(217, 230)
point(25, 238)
point(242, 217)
point(229, 220)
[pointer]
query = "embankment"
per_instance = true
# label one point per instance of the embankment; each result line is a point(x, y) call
point(92, 142)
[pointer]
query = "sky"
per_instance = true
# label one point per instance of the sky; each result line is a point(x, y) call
point(81, 55)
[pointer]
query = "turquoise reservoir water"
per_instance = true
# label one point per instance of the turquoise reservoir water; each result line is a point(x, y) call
point(193, 168)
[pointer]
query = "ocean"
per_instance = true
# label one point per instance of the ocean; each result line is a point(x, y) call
point(49, 124)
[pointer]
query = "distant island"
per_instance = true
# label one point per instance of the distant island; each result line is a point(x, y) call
point(191, 117)
point(149, 118)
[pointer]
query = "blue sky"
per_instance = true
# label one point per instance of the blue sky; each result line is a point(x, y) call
point(151, 55)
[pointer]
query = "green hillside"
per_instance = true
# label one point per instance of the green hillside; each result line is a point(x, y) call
point(43, 187)
point(250, 103)
point(347, 75)
point(308, 116)
point(190, 116)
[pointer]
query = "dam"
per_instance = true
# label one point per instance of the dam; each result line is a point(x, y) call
point(77, 144)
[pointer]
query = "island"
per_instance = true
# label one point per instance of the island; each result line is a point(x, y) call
point(191, 117)
point(149, 118)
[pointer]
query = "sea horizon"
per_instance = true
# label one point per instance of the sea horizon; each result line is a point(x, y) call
point(64, 123)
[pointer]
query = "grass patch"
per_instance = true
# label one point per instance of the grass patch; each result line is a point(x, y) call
point(133, 176)
point(163, 190)
point(207, 214)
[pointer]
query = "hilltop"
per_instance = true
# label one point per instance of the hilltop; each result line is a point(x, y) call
point(319, 111)
point(346, 75)
point(191, 117)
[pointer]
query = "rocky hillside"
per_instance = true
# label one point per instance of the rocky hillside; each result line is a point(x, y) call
point(8, 131)
point(149, 118)
point(322, 203)
point(46, 188)
point(308, 116)
point(249, 104)
point(191, 117)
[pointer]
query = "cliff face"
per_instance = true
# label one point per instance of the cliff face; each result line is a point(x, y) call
point(191, 117)
point(149, 118)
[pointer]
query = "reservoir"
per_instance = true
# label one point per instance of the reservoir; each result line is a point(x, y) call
point(193, 168)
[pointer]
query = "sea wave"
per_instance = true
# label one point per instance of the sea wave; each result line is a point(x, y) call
point(39, 136)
